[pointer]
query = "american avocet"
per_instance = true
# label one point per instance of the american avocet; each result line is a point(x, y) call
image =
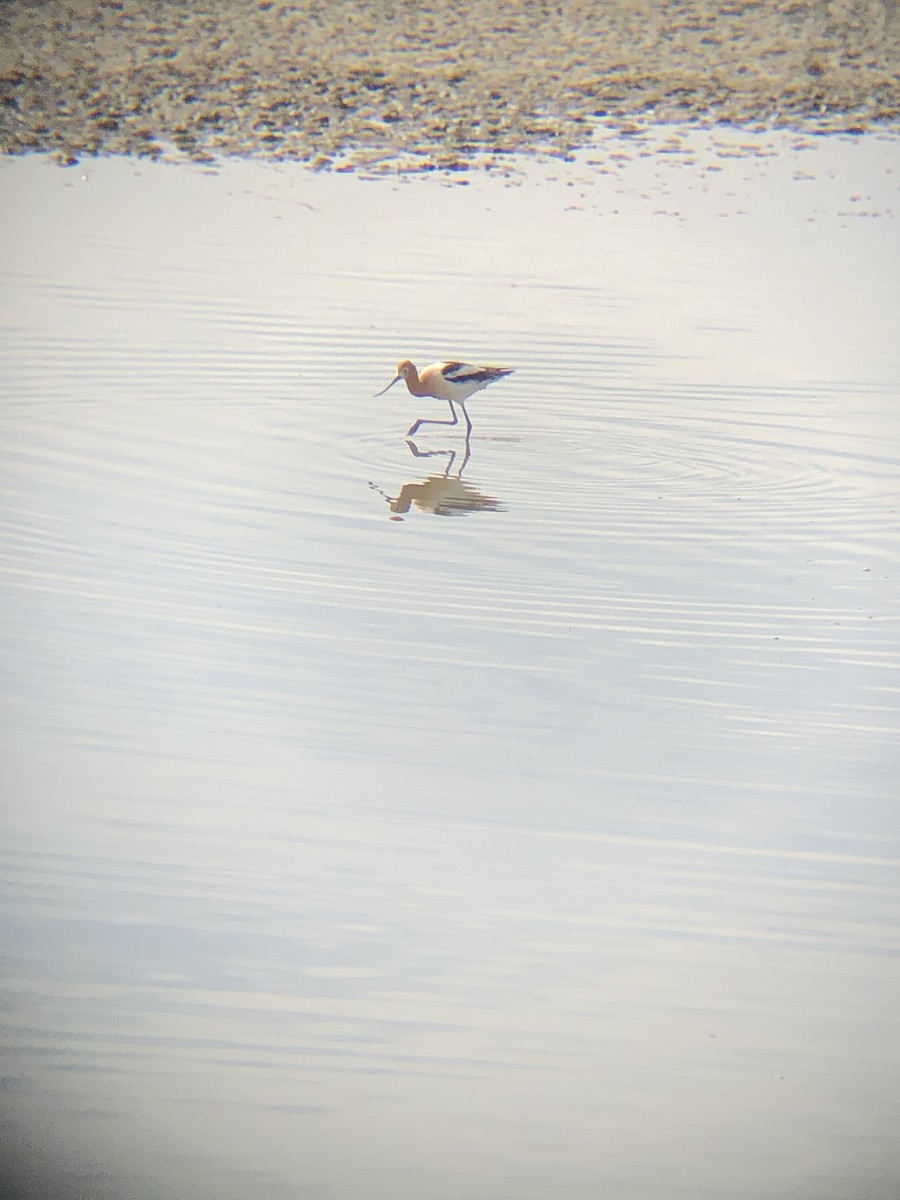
point(454, 382)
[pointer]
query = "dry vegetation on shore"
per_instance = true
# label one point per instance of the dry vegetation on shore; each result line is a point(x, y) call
point(430, 84)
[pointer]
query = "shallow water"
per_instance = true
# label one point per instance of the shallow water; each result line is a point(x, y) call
point(543, 842)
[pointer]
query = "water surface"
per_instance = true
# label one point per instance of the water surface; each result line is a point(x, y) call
point(543, 842)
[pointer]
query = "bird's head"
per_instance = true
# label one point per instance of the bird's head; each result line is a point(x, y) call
point(405, 371)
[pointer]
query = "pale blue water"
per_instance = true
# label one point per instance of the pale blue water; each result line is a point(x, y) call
point(542, 843)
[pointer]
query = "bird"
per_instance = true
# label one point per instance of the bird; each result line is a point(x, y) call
point(454, 382)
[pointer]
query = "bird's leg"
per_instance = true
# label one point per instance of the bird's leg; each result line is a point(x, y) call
point(431, 420)
point(466, 415)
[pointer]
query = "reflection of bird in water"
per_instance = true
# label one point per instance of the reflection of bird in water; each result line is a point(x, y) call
point(454, 382)
point(444, 494)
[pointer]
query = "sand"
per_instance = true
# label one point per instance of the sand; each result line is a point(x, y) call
point(429, 86)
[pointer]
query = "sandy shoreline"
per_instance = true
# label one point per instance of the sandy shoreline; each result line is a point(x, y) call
point(429, 86)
